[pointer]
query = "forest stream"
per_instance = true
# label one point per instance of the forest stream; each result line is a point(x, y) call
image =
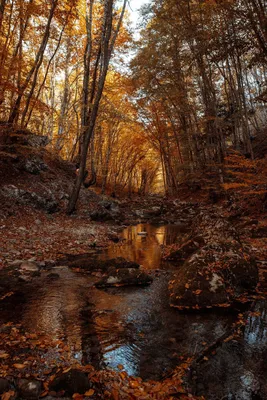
point(136, 329)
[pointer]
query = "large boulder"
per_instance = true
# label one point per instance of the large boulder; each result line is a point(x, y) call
point(216, 274)
point(124, 277)
point(107, 211)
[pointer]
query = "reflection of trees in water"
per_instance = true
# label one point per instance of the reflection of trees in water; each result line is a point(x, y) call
point(146, 250)
point(256, 329)
point(104, 335)
point(54, 310)
point(91, 345)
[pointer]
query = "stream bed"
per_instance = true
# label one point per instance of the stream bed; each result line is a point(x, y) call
point(135, 328)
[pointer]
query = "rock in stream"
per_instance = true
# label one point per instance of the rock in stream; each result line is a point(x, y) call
point(217, 271)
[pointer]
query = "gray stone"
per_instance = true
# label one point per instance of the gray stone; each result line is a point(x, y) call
point(34, 165)
point(21, 196)
point(124, 277)
point(29, 267)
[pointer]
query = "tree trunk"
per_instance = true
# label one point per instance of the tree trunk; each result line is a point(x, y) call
point(107, 45)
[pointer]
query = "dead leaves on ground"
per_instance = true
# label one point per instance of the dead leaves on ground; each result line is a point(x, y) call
point(16, 361)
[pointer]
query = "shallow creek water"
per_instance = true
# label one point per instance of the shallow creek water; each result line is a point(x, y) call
point(136, 327)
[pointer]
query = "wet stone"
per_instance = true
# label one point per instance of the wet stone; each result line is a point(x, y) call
point(73, 381)
point(215, 274)
point(124, 277)
point(203, 282)
point(29, 390)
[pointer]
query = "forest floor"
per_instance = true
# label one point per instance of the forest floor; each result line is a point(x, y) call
point(34, 228)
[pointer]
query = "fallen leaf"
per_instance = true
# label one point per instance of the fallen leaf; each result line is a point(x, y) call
point(4, 355)
point(77, 396)
point(89, 393)
point(19, 366)
point(7, 395)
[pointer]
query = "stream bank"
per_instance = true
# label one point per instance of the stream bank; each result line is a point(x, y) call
point(132, 330)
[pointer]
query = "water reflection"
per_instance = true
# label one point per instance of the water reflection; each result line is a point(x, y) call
point(256, 328)
point(146, 250)
point(238, 370)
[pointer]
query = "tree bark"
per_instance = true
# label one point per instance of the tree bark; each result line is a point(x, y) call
point(107, 46)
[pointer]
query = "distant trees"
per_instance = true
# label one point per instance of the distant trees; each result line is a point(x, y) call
point(200, 76)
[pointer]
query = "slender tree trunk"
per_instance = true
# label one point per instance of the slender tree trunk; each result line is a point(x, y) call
point(2, 11)
point(33, 73)
point(107, 46)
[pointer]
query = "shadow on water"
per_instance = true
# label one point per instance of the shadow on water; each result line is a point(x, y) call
point(136, 327)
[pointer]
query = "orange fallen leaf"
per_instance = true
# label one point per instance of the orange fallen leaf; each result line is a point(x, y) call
point(89, 393)
point(7, 395)
point(77, 396)
point(4, 355)
point(19, 366)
